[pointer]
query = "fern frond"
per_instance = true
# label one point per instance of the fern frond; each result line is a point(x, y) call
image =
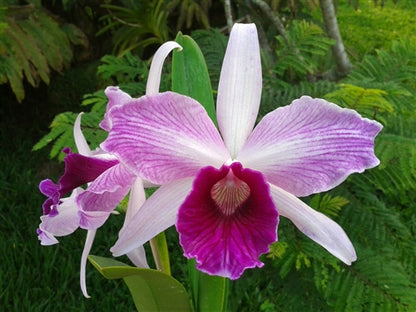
point(377, 282)
point(97, 100)
point(62, 133)
point(32, 43)
point(328, 204)
point(396, 173)
point(367, 102)
point(62, 128)
point(307, 42)
point(124, 70)
point(392, 71)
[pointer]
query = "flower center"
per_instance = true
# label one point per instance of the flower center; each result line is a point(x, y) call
point(230, 193)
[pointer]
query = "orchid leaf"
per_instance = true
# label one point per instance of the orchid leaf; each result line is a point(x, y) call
point(209, 292)
point(151, 290)
point(212, 293)
point(190, 74)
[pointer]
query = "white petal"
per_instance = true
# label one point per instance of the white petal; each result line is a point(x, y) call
point(314, 224)
point(239, 89)
point(80, 141)
point(153, 80)
point(138, 257)
point(87, 248)
point(156, 215)
point(136, 201)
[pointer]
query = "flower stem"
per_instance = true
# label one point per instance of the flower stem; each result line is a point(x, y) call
point(160, 253)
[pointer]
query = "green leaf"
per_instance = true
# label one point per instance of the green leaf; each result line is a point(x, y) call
point(151, 290)
point(213, 293)
point(190, 74)
point(210, 293)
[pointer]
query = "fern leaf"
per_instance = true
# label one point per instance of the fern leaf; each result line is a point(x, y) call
point(374, 283)
point(129, 72)
point(61, 134)
point(33, 43)
point(368, 102)
point(306, 42)
point(327, 204)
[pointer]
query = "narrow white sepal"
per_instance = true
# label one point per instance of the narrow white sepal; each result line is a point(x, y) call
point(153, 80)
point(314, 224)
point(157, 214)
point(80, 141)
point(87, 248)
point(240, 86)
point(136, 201)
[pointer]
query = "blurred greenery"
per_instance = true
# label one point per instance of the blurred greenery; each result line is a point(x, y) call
point(376, 209)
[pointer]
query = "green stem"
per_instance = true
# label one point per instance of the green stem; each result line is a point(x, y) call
point(160, 253)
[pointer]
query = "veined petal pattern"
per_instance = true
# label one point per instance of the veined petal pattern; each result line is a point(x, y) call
point(174, 129)
point(311, 146)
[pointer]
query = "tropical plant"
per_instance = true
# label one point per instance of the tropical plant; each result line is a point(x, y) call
point(33, 44)
point(136, 25)
point(190, 11)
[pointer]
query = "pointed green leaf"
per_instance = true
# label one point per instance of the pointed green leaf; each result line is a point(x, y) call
point(151, 290)
point(213, 293)
point(190, 74)
point(210, 293)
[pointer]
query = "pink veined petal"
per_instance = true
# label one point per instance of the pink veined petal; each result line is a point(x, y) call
point(116, 97)
point(315, 225)
point(65, 222)
point(155, 72)
point(156, 215)
point(228, 220)
point(239, 89)
point(103, 195)
point(80, 141)
point(311, 146)
point(164, 137)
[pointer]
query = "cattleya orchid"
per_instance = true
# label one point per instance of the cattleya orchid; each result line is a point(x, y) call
point(108, 180)
point(225, 189)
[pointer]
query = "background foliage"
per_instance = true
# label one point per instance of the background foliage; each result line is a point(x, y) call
point(32, 44)
point(376, 209)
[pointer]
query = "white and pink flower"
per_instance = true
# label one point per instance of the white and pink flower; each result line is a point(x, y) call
point(225, 189)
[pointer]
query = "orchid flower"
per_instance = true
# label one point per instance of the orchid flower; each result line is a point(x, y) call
point(225, 189)
point(108, 180)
